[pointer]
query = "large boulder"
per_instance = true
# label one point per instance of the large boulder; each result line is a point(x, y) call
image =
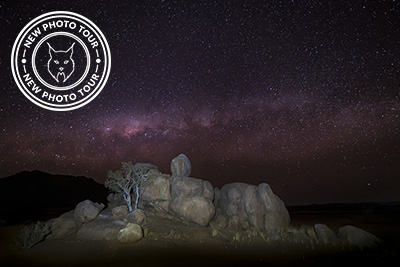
point(156, 193)
point(325, 234)
point(131, 233)
point(137, 216)
point(185, 197)
point(181, 166)
point(103, 228)
point(195, 209)
point(190, 187)
point(64, 226)
point(245, 206)
point(120, 211)
point(276, 214)
point(87, 211)
point(186, 187)
point(191, 199)
point(358, 237)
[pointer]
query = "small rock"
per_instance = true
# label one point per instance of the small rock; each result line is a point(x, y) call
point(225, 234)
point(233, 223)
point(131, 233)
point(273, 236)
point(120, 211)
point(87, 211)
point(105, 214)
point(181, 166)
point(137, 217)
point(220, 221)
point(299, 237)
point(357, 236)
point(324, 234)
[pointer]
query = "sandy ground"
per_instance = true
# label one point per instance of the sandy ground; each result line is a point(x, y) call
point(174, 243)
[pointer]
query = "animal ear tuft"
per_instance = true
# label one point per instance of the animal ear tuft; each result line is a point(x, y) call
point(71, 49)
point(51, 50)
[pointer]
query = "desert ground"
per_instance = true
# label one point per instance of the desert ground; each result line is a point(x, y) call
point(172, 242)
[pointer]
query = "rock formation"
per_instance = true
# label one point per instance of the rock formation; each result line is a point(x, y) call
point(185, 197)
point(235, 210)
point(240, 206)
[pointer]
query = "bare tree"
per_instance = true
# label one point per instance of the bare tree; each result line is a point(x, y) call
point(128, 177)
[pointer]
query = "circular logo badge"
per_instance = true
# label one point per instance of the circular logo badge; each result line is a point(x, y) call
point(61, 61)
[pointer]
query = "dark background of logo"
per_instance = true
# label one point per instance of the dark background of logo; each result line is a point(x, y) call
point(62, 43)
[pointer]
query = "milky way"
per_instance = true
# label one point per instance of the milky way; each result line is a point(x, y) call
point(303, 96)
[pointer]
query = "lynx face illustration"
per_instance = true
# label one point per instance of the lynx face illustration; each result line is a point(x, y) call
point(61, 65)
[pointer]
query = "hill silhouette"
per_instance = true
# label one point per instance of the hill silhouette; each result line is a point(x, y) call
point(34, 195)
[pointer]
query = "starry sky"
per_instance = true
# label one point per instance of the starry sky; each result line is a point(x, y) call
point(302, 95)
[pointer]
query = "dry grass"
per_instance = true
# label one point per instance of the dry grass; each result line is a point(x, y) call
point(32, 234)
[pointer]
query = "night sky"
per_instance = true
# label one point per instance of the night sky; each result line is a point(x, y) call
point(302, 95)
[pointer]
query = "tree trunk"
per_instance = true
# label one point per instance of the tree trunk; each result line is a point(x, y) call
point(128, 201)
point(137, 197)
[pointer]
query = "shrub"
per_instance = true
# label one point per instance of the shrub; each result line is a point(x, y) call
point(128, 177)
point(32, 234)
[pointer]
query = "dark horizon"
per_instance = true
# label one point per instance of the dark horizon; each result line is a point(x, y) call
point(302, 96)
point(287, 203)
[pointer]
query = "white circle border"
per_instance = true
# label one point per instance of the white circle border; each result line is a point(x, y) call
point(102, 81)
